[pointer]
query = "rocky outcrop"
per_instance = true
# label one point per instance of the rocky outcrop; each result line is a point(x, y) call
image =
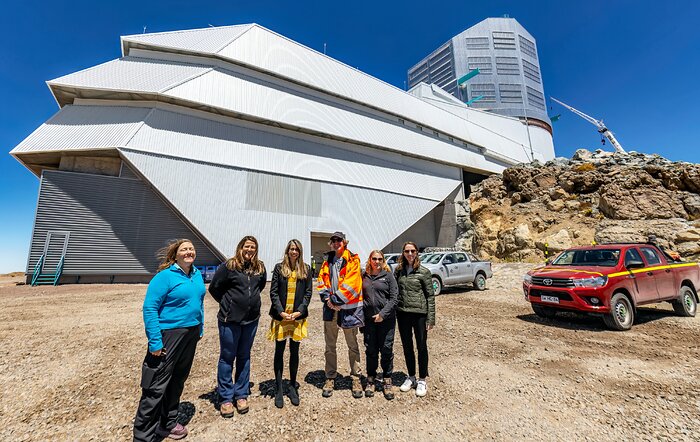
point(533, 210)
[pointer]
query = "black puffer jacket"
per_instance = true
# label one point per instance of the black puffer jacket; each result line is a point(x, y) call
point(238, 294)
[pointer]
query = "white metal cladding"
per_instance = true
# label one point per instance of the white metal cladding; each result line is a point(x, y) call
point(215, 199)
point(116, 225)
point(250, 146)
point(132, 74)
point(210, 39)
point(266, 50)
point(237, 93)
point(83, 127)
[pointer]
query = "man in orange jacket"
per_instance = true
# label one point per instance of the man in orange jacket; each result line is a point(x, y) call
point(340, 285)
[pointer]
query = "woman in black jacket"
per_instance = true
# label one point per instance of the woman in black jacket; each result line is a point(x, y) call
point(236, 286)
point(380, 293)
point(290, 294)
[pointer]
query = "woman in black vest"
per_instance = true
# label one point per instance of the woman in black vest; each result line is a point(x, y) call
point(290, 294)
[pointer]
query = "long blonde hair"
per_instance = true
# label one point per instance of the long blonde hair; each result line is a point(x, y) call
point(402, 258)
point(300, 267)
point(368, 265)
point(168, 254)
point(236, 262)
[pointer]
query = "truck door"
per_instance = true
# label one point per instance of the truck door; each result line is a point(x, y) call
point(465, 269)
point(449, 261)
point(664, 277)
point(643, 279)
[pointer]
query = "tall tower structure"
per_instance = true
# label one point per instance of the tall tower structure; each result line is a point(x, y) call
point(509, 82)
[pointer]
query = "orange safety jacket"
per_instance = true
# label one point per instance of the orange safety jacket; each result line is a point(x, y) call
point(349, 293)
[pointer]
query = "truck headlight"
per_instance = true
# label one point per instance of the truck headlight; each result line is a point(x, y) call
point(596, 281)
point(527, 278)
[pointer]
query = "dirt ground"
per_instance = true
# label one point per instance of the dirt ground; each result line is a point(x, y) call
point(70, 360)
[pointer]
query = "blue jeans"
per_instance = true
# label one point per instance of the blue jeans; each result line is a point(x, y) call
point(235, 342)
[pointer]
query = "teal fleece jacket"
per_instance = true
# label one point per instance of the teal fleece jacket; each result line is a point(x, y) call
point(173, 300)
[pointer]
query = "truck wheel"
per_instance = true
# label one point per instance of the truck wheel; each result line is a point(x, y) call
point(544, 312)
point(480, 282)
point(686, 304)
point(437, 285)
point(621, 316)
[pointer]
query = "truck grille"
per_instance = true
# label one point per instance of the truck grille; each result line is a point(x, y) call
point(563, 296)
point(555, 282)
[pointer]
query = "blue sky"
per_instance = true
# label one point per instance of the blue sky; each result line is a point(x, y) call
point(634, 63)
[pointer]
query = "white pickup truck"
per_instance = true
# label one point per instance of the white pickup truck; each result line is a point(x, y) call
point(457, 268)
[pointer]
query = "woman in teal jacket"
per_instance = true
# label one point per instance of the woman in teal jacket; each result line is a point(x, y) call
point(173, 314)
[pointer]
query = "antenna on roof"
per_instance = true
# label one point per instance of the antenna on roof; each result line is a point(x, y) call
point(324, 49)
point(144, 29)
point(506, 15)
point(210, 25)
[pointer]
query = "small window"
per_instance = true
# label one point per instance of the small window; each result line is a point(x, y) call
point(632, 255)
point(449, 259)
point(651, 256)
point(461, 257)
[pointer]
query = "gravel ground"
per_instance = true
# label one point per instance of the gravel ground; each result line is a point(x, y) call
point(70, 361)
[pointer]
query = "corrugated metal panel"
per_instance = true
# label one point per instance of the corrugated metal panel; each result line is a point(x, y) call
point(132, 74)
point(81, 127)
point(116, 225)
point(199, 40)
point(195, 138)
point(370, 218)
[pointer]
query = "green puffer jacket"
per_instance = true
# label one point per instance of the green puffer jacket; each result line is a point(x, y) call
point(416, 292)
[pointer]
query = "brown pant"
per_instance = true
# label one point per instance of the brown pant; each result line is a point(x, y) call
point(330, 332)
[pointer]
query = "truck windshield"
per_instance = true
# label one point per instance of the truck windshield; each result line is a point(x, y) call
point(597, 257)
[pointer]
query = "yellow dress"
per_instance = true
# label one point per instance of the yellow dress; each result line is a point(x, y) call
point(295, 329)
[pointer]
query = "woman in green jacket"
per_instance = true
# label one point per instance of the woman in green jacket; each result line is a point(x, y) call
point(415, 315)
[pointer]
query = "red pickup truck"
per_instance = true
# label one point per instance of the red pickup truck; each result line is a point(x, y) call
point(612, 280)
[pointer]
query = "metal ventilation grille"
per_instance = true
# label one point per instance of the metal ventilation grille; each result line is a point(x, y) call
point(507, 66)
point(511, 93)
point(484, 64)
point(527, 47)
point(275, 193)
point(535, 98)
point(477, 42)
point(503, 40)
point(531, 71)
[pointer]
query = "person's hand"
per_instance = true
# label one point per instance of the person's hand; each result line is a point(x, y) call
point(160, 352)
point(377, 318)
point(286, 316)
point(331, 305)
point(294, 315)
point(429, 327)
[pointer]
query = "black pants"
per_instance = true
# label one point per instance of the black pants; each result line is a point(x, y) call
point(162, 381)
point(414, 324)
point(379, 338)
point(278, 364)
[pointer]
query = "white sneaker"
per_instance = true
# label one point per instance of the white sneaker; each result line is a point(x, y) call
point(408, 384)
point(421, 388)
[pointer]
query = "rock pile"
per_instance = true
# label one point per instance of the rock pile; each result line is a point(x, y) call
point(534, 210)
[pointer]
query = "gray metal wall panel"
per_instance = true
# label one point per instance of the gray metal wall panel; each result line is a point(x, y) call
point(116, 225)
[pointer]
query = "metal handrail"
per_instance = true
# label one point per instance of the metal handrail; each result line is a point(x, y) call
point(59, 270)
point(37, 269)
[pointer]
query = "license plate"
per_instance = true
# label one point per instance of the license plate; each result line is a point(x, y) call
point(552, 299)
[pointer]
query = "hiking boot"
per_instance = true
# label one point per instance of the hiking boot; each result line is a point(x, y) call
point(421, 388)
point(242, 405)
point(328, 388)
point(408, 384)
point(279, 398)
point(388, 389)
point(226, 409)
point(369, 389)
point(293, 394)
point(177, 433)
point(356, 387)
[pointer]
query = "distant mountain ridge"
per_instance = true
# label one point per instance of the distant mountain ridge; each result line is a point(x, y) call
point(531, 211)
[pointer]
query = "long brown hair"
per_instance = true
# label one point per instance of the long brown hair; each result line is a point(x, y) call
point(402, 258)
point(368, 265)
point(236, 262)
point(168, 254)
point(300, 267)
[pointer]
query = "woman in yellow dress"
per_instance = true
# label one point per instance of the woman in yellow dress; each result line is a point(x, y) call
point(290, 293)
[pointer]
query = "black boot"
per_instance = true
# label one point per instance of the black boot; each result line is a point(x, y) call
point(279, 398)
point(293, 393)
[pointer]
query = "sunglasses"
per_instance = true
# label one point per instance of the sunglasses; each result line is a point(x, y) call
point(378, 259)
point(336, 240)
point(410, 252)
